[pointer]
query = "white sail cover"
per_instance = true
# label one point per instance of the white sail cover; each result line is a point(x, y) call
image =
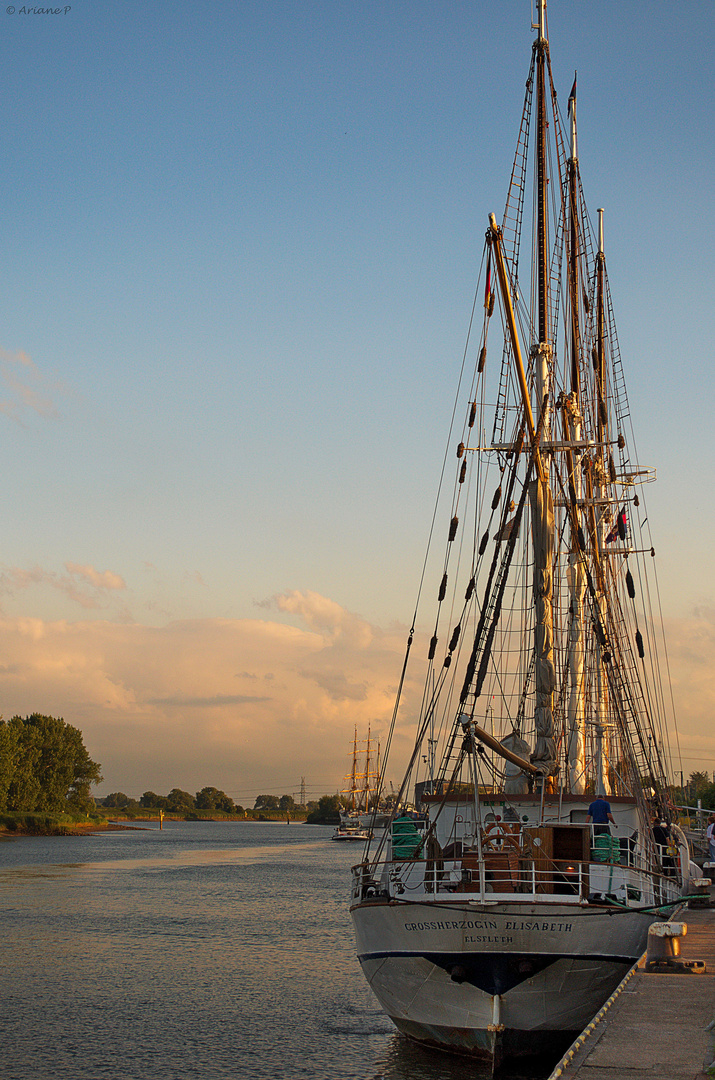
point(515, 782)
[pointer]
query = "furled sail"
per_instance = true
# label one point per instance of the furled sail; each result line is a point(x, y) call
point(515, 782)
point(542, 526)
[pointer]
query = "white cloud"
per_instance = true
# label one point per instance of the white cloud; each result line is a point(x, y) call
point(29, 388)
point(247, 703)
point(104, 579)
point(82, 584)
point(328, 618)
point(226, 702)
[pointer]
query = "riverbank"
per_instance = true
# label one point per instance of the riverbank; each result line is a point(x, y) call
point(12, 825)
point(214, 816)
point(17, 824)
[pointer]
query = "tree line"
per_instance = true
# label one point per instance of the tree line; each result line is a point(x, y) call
point(212, 798)
point(45, 767)
point(176, 802)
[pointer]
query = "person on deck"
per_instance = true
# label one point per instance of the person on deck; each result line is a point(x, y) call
point(710, 835)
point(599, 812)
point(663, 843)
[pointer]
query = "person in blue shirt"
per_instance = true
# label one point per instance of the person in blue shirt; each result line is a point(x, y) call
point(599, 812)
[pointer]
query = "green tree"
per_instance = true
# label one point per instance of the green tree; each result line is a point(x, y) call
point(8, 749)
point(51, 769)
point(210, 798)
point(699, 782)
point(708, 797)
point(327, 812)
point(151, 801)
point(269, 803)
point(117, 799)
point(286, 804)
point(179, 801)
point(24, 788)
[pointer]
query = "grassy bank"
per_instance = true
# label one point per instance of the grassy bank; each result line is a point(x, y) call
point(35, 824)
point(143, 814)
point(25, 824)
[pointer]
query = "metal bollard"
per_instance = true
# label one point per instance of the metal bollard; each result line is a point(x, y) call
point(664, 948)
point(700, 888)
point(664, 941)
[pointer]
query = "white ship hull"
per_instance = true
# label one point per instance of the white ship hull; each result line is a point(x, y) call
point(495, 980)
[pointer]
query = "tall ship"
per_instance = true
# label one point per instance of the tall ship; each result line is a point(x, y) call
point(362, 808)
point(496, 917)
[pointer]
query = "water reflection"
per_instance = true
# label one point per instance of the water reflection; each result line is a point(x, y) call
point(404, 1060)
point(176, 859)
point(202, 951)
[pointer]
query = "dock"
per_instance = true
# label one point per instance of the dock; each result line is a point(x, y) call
point(655, 1026)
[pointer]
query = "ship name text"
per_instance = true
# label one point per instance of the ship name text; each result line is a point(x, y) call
point(491, 924)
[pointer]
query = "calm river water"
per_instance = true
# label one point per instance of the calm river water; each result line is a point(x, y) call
point(206, 950)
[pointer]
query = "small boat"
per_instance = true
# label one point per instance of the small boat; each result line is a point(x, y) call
point(496, 919)
point(347, 831)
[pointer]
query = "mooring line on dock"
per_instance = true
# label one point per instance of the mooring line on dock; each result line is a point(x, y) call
point(587, 1031)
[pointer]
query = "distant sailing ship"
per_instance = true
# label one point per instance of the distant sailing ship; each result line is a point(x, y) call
point(363, 784)
point(498, 918)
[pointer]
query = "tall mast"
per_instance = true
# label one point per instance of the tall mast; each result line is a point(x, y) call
point(541, 182)
point(367, 772)
point(600, 339)
point(572, 422)
point(574, 247)
point(542, 350)
point(602, 784)
point(353, 775)
point(542, 511)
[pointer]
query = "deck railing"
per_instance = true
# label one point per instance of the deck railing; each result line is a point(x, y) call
point(520, 879)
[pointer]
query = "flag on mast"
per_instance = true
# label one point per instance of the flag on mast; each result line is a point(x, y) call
point(619, 529)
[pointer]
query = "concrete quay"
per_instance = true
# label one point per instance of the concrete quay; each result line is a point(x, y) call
point(656, 1026)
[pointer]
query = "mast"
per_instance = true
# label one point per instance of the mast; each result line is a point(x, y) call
point(542, 511)
point(542, 254)
point(498, 249)
point(600, 334)
point(572, 166)
point(354, 774)
point(367, 789)
point(602, 784)
point(572, 422)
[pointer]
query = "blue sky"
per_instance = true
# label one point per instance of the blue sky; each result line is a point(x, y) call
point(240, 244)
